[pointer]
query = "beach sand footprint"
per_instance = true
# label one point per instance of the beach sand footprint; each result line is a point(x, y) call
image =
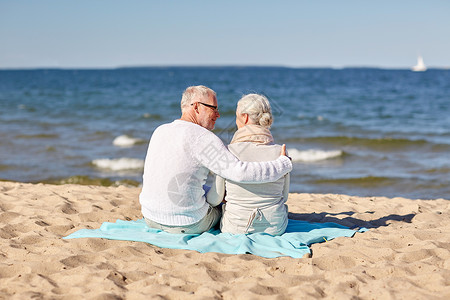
point(80, 260)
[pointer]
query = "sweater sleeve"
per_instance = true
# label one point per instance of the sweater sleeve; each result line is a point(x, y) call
point(217, 191)
point(209, 151)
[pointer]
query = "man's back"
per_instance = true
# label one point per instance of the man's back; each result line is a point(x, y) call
point(173, 178)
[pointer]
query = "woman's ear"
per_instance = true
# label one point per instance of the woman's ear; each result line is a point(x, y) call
point(245, 118)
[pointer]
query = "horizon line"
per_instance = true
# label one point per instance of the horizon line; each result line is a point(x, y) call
point(211, 66)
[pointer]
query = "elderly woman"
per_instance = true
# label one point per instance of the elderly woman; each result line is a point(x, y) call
point(252, 208)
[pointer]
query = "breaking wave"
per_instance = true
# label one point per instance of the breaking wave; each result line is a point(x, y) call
point(119, 164)
point(313, 155)
point(126, 141)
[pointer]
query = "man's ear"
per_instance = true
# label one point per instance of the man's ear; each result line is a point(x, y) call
point(195, 107)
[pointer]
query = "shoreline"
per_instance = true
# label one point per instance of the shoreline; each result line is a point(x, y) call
point(405, 253)
point(86, 180)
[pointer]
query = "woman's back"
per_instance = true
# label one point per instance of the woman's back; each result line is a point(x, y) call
point(259, 207)
point(255, 207)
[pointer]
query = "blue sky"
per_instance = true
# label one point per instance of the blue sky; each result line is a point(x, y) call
point(108, 33)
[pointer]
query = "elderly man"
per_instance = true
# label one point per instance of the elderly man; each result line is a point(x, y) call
point(179, 157)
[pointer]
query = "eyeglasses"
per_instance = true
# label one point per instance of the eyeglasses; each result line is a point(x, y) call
point(213, 107)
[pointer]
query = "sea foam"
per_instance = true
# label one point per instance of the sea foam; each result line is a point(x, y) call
point(313, 155)
point(126, 141)
point(119, 164)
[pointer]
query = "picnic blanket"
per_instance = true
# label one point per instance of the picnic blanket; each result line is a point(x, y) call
point(294, 242)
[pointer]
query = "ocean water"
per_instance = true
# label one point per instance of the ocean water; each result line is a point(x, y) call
point(366, 132)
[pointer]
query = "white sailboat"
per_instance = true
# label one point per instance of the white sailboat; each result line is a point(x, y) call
point(420, 67)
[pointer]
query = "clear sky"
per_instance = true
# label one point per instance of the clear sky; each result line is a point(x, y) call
point(331, 33)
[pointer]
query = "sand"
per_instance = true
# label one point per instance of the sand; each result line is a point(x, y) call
point(404, 255)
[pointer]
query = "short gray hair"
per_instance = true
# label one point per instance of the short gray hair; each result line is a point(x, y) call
point(195, 92)
point(258, 109)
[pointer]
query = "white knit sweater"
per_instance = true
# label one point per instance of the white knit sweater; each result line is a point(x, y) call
point(179, 157)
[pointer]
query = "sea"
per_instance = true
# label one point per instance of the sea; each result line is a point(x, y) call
point(355, 131)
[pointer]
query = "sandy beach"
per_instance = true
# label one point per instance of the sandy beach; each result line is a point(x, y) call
point(404, 255)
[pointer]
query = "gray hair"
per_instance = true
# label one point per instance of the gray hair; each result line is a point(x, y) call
point(195, 92)
point(258, 109)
